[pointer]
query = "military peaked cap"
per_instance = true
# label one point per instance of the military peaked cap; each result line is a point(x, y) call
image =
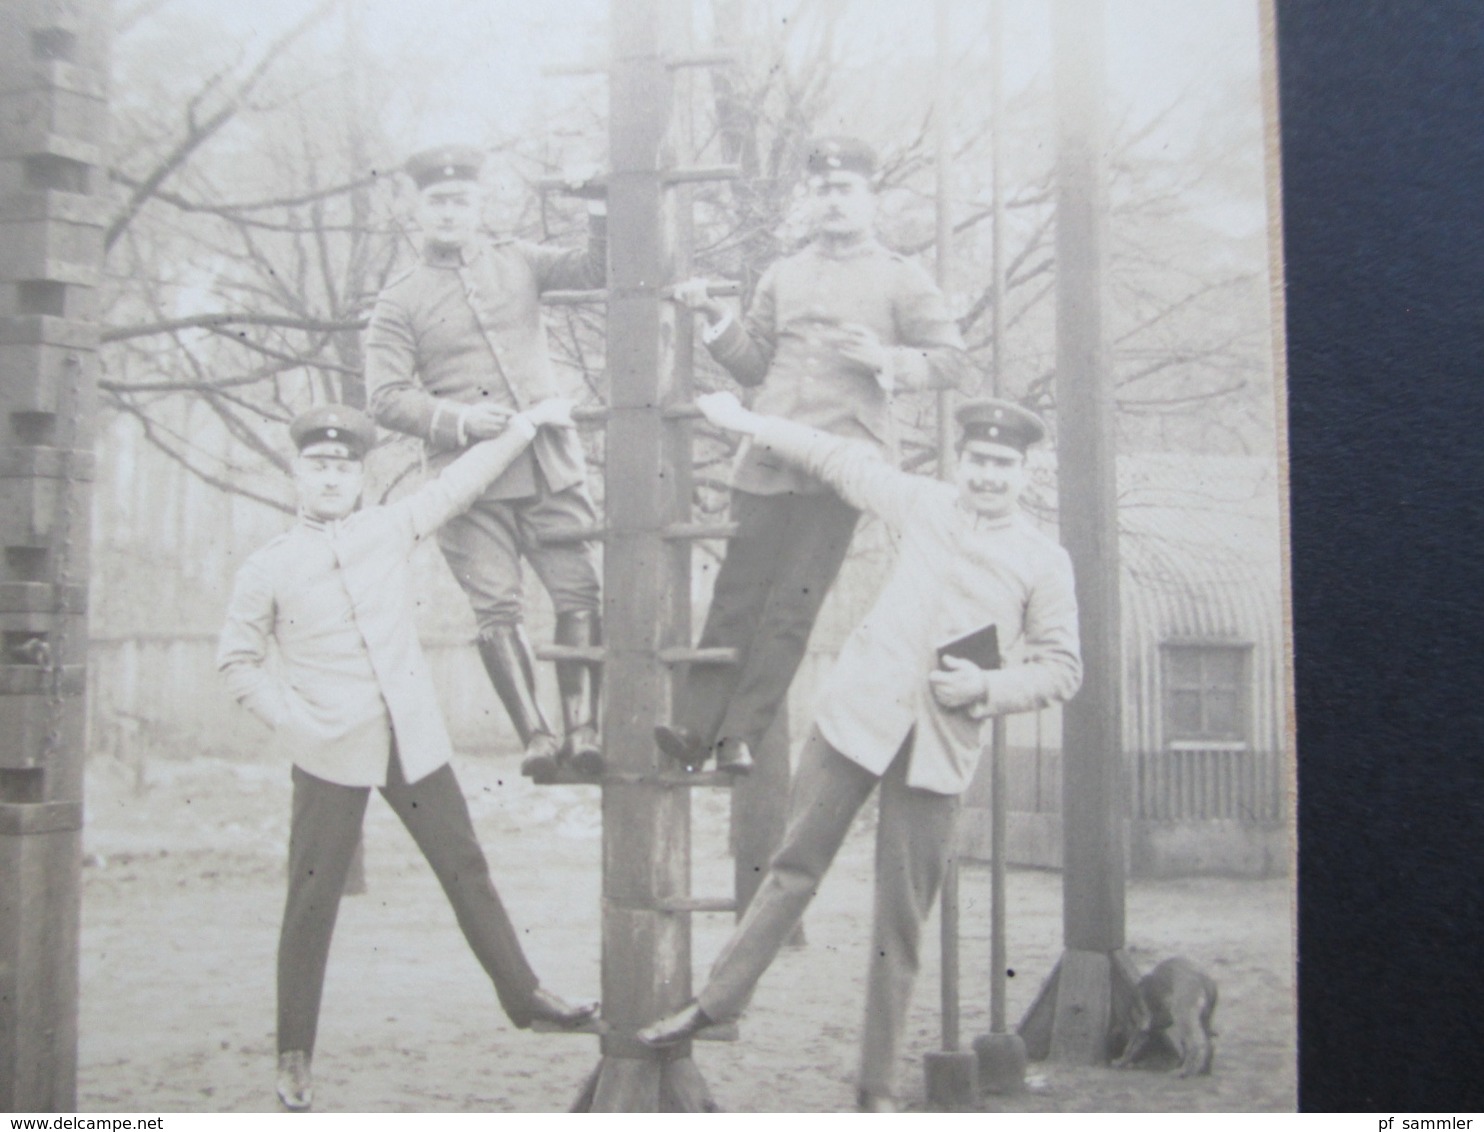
point(1000, 422)
point(445, 163)
point(334, 430)
point(833, 155)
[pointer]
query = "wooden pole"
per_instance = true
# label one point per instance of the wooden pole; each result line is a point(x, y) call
point(53, 181)
point(950, 1072)
point(949, 917)
point(943, 209)
point(998, 808)
point(646, 823)
point(943, 263)
point(942, 267)
point(1074, 1018)
point(1001, 1056)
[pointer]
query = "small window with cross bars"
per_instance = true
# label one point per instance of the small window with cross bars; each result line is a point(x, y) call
point(1206, 693)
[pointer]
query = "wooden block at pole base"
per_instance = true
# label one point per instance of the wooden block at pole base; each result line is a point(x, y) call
point(1122, 1025)
point(1084, 1001)
point(1001, 1059)
point(952, 1078)
point(1035, 1027)
point(683, 1089)
point(651, 1084)
point(627, 1084)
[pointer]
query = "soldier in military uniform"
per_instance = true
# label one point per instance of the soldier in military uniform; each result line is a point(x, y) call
point(900, 712)
point(351, 704)
point(455, 347)
point(831, 333)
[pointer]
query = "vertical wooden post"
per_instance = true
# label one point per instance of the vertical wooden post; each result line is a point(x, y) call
point(950, 1072)
point(646, 823)
point(997, 754)
point(1001, 1056)
point(1074, 1019)
point(942, 267)
point(53, 177)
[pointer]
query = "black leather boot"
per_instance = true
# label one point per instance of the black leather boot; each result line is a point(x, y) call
point(507, 658)
point(580, 685)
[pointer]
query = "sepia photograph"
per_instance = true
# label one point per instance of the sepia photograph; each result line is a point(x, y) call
point(644, 556)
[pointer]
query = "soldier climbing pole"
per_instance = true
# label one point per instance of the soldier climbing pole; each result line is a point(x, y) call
point(53, 124)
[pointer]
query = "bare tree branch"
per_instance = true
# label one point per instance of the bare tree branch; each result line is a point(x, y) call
point(217, 321)
point(197, 133)
point(234, 209)
point(130, 387)
point(1171, 404)
point(151, 434)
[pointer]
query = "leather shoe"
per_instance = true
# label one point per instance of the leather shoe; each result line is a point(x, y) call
point(295, 1087)
point(582, 751)
point(540, 763)
point(733, 756)
point(874, 1102)
point(547, 1007)
point(682, 744)
point(675, 1028)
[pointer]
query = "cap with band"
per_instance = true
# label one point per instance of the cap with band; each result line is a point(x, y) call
point(445, 163)
point(1000, 422)
point(333, 430)
point(840, 154)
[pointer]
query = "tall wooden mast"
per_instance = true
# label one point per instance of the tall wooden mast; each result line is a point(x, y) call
point(1082, 1005)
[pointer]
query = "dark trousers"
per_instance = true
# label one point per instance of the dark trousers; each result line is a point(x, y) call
point(914, 837)
point(325, 827)
point(484, 546)
point(777, 570)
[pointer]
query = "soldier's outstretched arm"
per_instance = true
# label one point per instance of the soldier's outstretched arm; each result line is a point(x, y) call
point(464, 480)
point(745, 349)
point(573, 269)
point(855, 470)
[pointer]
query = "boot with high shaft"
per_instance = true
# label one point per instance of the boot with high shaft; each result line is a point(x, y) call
point(580, 685)
point(507, 658)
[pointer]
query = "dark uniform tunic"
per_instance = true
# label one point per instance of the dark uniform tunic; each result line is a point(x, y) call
point(793, 532)
point(465, 327)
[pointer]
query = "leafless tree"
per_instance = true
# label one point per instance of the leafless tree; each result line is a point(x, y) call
point(248, 302)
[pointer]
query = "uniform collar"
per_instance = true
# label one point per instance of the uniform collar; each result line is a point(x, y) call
point(440, 255)
point(868, 246)
point(329, 527)
point(979, 523)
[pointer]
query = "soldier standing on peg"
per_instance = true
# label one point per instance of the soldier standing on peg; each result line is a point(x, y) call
point(832, 332)
point(351, 704)
point(900, 713)
point(455, 348)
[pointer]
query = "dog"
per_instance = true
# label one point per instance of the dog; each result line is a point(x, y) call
point(1177, 1000)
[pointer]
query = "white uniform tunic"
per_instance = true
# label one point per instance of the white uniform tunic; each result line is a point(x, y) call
point(336, 599)
point(955, 573)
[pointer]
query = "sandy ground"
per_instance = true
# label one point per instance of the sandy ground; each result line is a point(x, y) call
point(183, 886)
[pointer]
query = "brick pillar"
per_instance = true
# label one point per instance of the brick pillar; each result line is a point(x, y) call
point(53, 182)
